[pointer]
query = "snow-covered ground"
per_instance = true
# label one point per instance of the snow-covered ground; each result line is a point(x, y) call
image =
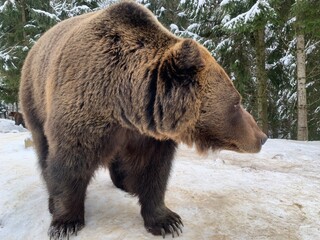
point(271, 195)
point(8, 126)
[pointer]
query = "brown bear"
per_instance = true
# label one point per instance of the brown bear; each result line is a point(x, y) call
point(114, 88)
point(18, 118)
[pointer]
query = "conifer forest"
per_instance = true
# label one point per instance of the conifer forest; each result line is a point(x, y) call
point(269, 48)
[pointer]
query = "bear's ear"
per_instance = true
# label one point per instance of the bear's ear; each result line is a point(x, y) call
point(182, 63)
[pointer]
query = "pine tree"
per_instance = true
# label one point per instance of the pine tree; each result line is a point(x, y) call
point(249, 19)
point(254, 40)
point(22, 22)
point(307, 25)
point(18, 32)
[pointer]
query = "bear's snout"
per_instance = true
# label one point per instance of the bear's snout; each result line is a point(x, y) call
point(263, 139)
point(249, 137)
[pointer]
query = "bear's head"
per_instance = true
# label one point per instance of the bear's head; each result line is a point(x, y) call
point(200, 104)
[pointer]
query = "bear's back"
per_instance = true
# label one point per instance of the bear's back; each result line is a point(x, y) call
point(82, 55)
point(75, 36)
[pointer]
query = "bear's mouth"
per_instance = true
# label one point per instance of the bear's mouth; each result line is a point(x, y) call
point(253, 148)
point(233, 147)
point(218, 144)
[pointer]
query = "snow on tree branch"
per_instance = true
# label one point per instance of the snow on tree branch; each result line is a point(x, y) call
point(6, 4)
point(47, 14)
point(261, 6)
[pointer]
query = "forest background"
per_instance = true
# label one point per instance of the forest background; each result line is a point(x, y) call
point(269, 48)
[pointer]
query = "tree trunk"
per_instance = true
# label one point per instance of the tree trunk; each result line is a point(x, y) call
point(301, 89)
point(24, 20)
point(301, 79)
point(261, 80)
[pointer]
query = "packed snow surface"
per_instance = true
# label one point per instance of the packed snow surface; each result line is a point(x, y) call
point(8, 126)
point(274, 194)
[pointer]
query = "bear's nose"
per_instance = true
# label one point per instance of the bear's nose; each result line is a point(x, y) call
point(264, 139)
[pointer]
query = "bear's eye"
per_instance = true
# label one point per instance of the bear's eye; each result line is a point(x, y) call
point(236, 106)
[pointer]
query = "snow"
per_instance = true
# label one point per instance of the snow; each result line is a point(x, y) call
point(5, 56)
point(8, 126)
point(310, 48)
point(259, 7)
point(174, 27)
point(76, 10)
point(225, 2)
point(182, 14)
point(193, 27)
point(274, 194)
point(30, 26)
point(47, 14)
point(6, 4)
point(201, 2)
point(198, 3)
point(224, 43)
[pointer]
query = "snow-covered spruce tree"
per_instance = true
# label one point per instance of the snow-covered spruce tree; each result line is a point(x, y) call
point(18, 31)
point(250, 18)
point(283, 68)
point(63, 9)
point(307, 26)
point(313, 84)
point(201, 22)
point(21, 24)
point(280, 66)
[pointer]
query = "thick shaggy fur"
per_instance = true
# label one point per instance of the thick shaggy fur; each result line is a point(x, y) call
point(114, 88)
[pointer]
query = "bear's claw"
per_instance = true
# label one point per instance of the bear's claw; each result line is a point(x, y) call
point(171, 224)
point(62, 231)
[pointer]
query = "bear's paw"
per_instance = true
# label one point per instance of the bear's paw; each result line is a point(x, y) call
point(164, 222)
point(63, 230)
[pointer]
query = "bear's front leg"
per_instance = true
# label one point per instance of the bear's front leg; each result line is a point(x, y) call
point(148, 163)
point(158, 219)
point(67, 181)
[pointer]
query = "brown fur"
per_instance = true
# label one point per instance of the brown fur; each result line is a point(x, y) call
point(115, 88)
point(18, 118)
